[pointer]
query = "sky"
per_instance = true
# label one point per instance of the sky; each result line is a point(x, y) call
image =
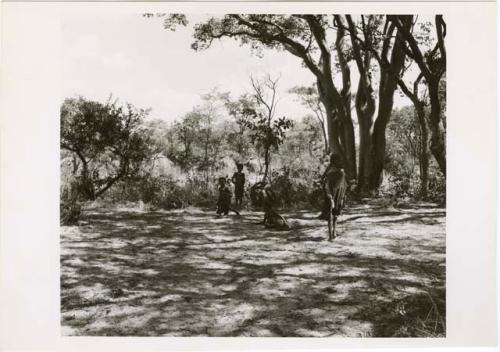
point(137, 61)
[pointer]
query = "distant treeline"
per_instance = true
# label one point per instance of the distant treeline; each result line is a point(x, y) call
point(118, 154)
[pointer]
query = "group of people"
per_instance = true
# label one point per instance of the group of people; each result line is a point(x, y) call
point(225, 194)
point(333, 181)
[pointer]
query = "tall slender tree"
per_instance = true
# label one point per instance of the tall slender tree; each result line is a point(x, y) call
point(419, 103)
point(432, 65)
point(266, 131)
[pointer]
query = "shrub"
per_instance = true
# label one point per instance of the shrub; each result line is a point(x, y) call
point(295, 189)
point(70, 207)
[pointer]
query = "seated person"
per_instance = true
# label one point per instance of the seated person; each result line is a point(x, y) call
point(266, 198)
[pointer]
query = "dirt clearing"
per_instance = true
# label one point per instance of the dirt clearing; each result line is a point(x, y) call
point(187, 273)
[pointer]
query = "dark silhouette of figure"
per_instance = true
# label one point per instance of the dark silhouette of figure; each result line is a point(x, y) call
point(335, 187)
point(266, 198)
point(224, 201)
point(239, 185)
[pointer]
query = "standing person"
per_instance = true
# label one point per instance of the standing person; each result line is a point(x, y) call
point(335, 187)
point(239, 184)
point(333, 164)
point(224, 201)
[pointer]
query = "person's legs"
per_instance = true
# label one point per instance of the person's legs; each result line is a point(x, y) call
point(218, 206)
point(238, 195)
point(238, 199)
point(226, 205)
point(324, 210)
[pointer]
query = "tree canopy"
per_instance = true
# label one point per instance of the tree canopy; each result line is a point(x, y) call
point(109, 142)
point(380, 47)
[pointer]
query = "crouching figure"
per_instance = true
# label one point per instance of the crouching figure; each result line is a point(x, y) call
point(334, 185)
point(263, 196)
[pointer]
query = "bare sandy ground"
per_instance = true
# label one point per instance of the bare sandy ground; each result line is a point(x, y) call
point(187, 273)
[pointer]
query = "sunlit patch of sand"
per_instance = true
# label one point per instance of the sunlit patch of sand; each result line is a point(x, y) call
point(306, 270)
point(230, 316)
point(212, 265)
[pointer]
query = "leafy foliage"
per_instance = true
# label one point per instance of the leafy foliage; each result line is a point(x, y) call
point(109, 141)
point(114, 146)
point(403, 159)
point(258, 31)
point(265, 133)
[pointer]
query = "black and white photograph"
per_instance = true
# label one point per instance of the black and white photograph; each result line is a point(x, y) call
point(253, 175)
point(249, 176)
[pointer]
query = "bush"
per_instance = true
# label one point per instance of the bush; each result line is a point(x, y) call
point(70, 213)
point(159, 191)
point(70, 207)
point(407, 185)
point(295, 189)
point(165, 192)
point(437, 188)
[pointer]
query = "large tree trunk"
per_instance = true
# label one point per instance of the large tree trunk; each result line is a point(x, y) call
point(86, 185)
point(347, 133)
point(339, 123)
point(341, 135)
point(350, 148)
point(438, 146)
point(365, 109)
point(423, 150)
point(365, 102)
point(388, 84)
point(326, 149)
point(377, 153)
point(386, 101)
point(333, 128)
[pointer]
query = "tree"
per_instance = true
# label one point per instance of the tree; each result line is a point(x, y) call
point(209, 139)
point(109, 141)
point(237, 135)
point(419, 103)
point(309, 97)
point(305, 37)
point(266, 131)
point(404, 150)
point(303, 141)
point(308, 37)
point(374, 42)
point(432, 65)
point(186, 132)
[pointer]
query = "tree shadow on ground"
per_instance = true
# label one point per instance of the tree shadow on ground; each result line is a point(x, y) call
point(188, 273)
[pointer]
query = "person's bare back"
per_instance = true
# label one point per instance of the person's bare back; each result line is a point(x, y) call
point(335, 187)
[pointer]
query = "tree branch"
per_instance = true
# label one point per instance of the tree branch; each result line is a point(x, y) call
point(414, 50)
point(441, 33)
point(289, 44)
